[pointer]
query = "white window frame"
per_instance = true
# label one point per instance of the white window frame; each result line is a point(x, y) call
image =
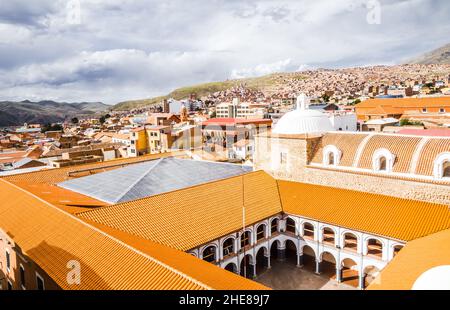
point(390, 159)
point(38, 276)
point(331, 149)
point(20, 276)
point(438, 169)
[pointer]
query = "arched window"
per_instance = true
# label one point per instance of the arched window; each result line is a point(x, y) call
point(383, 160)
point(350, 242)
point(245, 239)
point(446, 168)
point(331, 159)
point(328, 235)
point(274, 226)
point(261, 232)
point(331, 155)
point(209, 254)
point(397, 249)
point(308, 230)
point(382, 164)
point(290, 226)
point(442, 166)
point(374, 248)
point(228, 247)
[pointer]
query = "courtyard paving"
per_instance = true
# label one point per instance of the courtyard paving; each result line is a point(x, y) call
point(286, 276)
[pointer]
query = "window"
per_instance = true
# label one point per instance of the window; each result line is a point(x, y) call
point(8, 261)
point(424, 110)
point(283, 158)
point(290, 226)
point(441, 110)
point(245, 239)
point(274, 226)
point(383, 166)
point(39, 283)
point(228, 246)
point(308, 230)
point(261, 232)
point(22, 276)
point(331, 159)
point(209, 254)
point(446, 170)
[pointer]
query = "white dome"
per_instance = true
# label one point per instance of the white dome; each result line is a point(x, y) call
point(303, 120)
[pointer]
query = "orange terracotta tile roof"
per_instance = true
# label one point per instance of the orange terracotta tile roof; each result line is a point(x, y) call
point(346, 143)
point(402, 147)
point(429, 153)
point(382, 110)
point(387, 216)
point(168, 218)
point(413, 260)
point(51, 238)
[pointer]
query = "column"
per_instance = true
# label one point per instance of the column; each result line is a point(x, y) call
point(317, 267)
point(281, 253)
point(254, 271)
point(299, 260)
point(362, 278)
point(338, 274)
point(268, 262)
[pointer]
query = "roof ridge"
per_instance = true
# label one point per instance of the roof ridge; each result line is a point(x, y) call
point(157, 261)
point(158, 161)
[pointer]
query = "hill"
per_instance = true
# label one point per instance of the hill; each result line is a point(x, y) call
point(16, 113)
point(201, 90)
point(438, 56)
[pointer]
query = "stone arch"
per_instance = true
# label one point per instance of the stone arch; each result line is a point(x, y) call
point(308, 229)
point(210, 252)
point(331, 155)
point(274, 225)
point(228, 245)
point(350, 241)
point(308, 257)
point(263, 232)
point(291, 225)
point(232, 267)
point(396, 248)
point(246, 265)
point(370, 274)
point(441, 167)
point(349, 271)
point(373, 246)
point(246, 238)
point(383, 160)
point(328, 234)
point(262, 259)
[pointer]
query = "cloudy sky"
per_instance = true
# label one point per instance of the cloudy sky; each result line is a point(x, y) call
point(114, 50)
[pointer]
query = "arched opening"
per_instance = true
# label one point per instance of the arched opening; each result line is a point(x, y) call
point(228, 247)
point(331, 159)
point(383, 163)
point(370, 274)
point(350, 242)
point(309, 259)
point(261, 260)
point(328, 265)
point(328, 235)
point(246, 267)
point(350, 274)
point(374, 248)
point(231, 267)
point(274, 250)
point(446, 169)
point(290, 226)
point(245, 239)
point(308, 230)
point(291, 252)
point(274, 226)
point(397, 249)
point(261, 232)
point(209, 254)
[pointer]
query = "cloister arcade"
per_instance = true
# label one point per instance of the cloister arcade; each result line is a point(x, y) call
point(347, 256)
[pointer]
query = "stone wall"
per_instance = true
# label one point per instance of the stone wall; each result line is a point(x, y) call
point(299, 151)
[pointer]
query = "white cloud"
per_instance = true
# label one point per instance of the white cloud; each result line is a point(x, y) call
point(130, 49)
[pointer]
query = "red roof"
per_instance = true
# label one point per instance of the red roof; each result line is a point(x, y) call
point(235, 121)
point(426, 132)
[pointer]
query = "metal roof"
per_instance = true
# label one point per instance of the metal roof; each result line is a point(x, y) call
point(151, 178)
